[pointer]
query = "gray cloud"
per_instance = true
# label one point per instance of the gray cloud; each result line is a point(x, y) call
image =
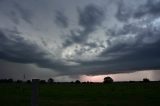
point(89, 18)
point(132, 45)
point(15, 48)
point(150, 8)
point(140, 52)
point(145, 57)
point(61, 20)
point(139, 36)
point(25, 13)
point(123, 12)
point(14, 17)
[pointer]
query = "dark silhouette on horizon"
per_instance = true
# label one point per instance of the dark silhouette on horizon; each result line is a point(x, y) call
point(146, 80)
point(108, 80)
point(77, 82)
point(50, 80)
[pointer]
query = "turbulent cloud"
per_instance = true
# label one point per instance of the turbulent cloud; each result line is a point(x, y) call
point(150, 8)
point(61, 20)
point(133, 47)
point(125, 59)
point(16, 49)
point(123, 11)
point(89, 18)
point(86, 41)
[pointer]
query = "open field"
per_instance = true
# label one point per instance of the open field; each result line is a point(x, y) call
point(116, 94)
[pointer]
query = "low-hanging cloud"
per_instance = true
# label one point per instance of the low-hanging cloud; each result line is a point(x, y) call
point(15, 48)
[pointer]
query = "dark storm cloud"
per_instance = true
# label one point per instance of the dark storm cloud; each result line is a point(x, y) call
point(89, 18)
point(140, 54)
point(61, 20)
point(16, 49)
point(123, 12)
point(128, 28)
point(139, 36)
point(150, 8)
point(92, 45)
point(145, 57)
point(141, 51)
point(77, 37)
point(132, 46)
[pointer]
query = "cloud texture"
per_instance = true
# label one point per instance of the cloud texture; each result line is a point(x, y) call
point(86, 38)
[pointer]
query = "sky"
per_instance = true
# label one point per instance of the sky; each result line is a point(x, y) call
point(80, 39)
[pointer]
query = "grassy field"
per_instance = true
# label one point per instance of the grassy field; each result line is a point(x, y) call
point(116, 94)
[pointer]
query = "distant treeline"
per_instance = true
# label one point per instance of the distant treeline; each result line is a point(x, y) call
point(51, 81)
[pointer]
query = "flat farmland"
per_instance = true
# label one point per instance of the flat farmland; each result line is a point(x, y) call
point(115, 94)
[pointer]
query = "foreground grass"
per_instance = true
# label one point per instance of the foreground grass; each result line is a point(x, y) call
point(116, 94)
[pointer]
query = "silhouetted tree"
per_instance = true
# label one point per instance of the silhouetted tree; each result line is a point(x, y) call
point(6, 80)
point(19, 81)
point(84, 82)
point(28, 81)
point(146, 80)
point(10, 80)
point(77, 82)
point(132, 81)
point(50, 80)
point(71, 82)
point(3, 80)
point(108, 80)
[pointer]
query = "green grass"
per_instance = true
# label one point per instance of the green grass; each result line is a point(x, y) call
point(116, 94)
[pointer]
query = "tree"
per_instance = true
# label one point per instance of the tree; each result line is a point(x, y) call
point(10, 80)
point(28, 81)
point(50, 80)
point(77, 82)
point(19, 81)
point(146, 80)
point(108, 80)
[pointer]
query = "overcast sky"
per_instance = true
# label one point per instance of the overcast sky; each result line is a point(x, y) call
point(70, 39)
